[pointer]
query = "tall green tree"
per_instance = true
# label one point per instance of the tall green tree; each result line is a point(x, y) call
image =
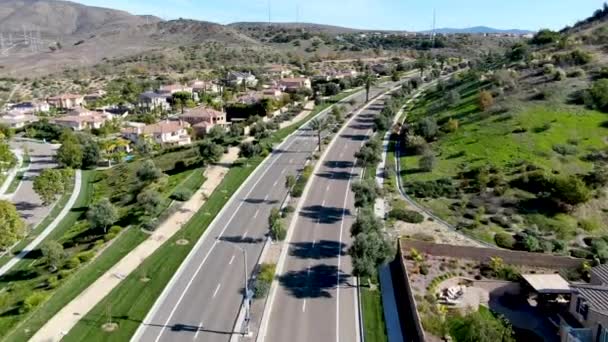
point(53, 253)
point(366, 193)
point(71, 152)
point(12, 227)
point(369, 81)
point(369, 251)
point(102, 214)
point(210, 152)
point(50, 184)
point(319, 126)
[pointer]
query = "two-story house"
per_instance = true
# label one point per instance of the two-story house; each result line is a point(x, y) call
point(203, 119)
point(152, 100)
point(17, 119)
point(205, 87)
point(174, 88)
point(31, 107)
point(276, 71)
point(237, 78)
point(589, 307)
point(66, 101)
point(295, 84)
point(81, 119)
point(171, 133)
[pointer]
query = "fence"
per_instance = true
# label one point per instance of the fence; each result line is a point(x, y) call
point(484, 254)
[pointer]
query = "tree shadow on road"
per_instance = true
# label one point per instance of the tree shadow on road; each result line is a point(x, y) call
point(316, 282)
point(325, 215)
point(323, 249)
point(240, 239)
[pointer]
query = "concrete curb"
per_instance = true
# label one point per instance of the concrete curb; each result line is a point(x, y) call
point(281, 264)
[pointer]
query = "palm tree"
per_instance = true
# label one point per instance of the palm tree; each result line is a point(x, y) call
point(369, 81)
point(318, 125)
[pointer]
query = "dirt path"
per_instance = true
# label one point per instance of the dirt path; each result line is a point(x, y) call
point(65, 319)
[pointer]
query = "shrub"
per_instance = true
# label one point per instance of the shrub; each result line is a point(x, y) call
point(565, 149)
point(264, 280)
point(424, 269)
point(486, 100)
point(427, 162)
point(570, 190)
point(598, 95)
point(63, 274)
point(428, 128)
point(559, 74)
point(72, 263)
point(504, 240)
point(289, 209)
point(405, 215)
point(432, 189)
point(580, 253)
point(576, 73)
point(182, 195)
point(32, 301)
point(85, 256)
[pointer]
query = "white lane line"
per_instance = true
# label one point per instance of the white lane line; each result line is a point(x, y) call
point(216, 290)
point(256, 213)
point(313, 243)
point(275, 183)
point(266, 198)
point(304, 306)
point(200, 328)
point(341, 154)
point(231, 260)
point(200, 266)
point(350, 177)
point(245, 235)
point(283, 171)
point(327, 188)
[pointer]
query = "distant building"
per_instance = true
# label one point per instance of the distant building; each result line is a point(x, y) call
point(236, 78)
point(295, 84)
point(66, 101)
point(276, 71)
point(94, 96)
point(17, 119)
point(30, 107)
point(152, 100)
point(205, 87)
point(163, 133)
point(174, 88)
point(203, 119)
point(81, 119)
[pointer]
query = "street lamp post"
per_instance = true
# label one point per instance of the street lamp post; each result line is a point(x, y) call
point(248, 293)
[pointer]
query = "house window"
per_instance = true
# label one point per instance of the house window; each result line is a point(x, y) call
point(582, 308)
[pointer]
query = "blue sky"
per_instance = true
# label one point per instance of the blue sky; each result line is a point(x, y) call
point(414, 15)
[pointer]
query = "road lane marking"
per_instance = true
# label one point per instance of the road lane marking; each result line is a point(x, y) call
point(283, 171)
point(341, 154)
point(231, 260)
point(350, 177)
point(313, 243)
point(327, 188)
point(304, 306)
point(216, 290)
point(245, 235)
point(291, 161)
point(200, 328)
point(275, 183)
point(200, 266)
point(256, 213)
point(266, 198)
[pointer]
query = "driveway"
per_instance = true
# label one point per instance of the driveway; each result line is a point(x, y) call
point(25, 198)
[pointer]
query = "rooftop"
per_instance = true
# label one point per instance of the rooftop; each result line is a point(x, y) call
point(202, 112)
point(596, 296)
point(547, 283)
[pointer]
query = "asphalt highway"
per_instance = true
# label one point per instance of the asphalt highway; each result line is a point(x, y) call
point(203, 299)
point(317, 297)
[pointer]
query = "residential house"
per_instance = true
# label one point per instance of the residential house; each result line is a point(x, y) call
point(66, 101)
point(203, 119)
point(236, 78)
point(94, 96)
point(205, 87)
point(81, 119)
point(30, 107)
point(277, 71)
point(380, 69)
point(173, 133)
point(589, 307)
point(174, 88)
point(17, 119)
point(295, 84)
point(152, 100)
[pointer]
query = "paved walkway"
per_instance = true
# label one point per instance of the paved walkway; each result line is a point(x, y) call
point(32, 245)
point(13, 173)
point(308, 107)
point(67, 318)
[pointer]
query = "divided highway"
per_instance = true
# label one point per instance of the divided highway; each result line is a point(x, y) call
point(316, 299)
point(203, 299)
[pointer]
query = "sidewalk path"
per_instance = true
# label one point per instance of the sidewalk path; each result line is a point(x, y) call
point(67, 318)
point(32, 245)
point(13, 173)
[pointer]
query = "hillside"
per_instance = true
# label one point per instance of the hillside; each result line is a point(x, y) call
point(514, 151)
point(312, 28)
point(479, 30)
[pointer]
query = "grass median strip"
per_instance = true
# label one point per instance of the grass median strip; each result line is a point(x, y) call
point(373, 315)
point(129, 303)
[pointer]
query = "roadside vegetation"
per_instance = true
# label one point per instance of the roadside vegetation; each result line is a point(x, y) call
point(513, 151)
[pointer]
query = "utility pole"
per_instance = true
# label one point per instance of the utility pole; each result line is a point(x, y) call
point(269, 12)
point(248, 293)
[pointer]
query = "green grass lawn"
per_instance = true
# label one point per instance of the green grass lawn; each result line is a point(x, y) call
point(373, 314)
point(132, 299)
